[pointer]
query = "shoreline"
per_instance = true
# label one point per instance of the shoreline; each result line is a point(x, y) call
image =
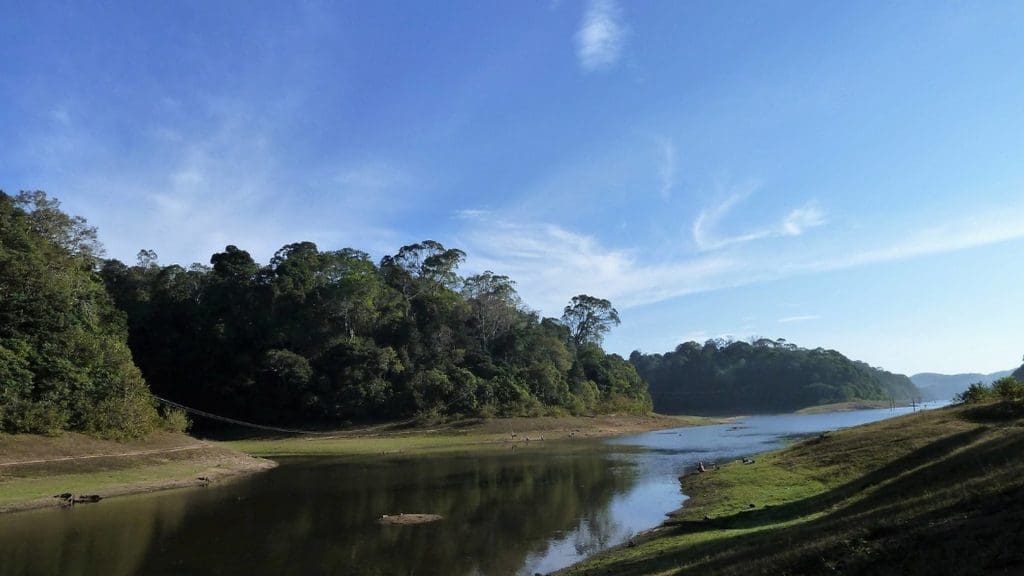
point(910, 483)
point(472, 435)
point(35, 468)
point(851, 406)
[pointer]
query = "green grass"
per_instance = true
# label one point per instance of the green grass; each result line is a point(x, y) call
point(851, 405)
point(938, 492)
point(110, 468)
point(25, 489)
point(468, 435)
point(314, 446)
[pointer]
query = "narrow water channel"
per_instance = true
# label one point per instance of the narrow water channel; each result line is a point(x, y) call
point(521, 512)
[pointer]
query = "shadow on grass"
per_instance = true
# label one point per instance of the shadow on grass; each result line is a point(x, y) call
point(995, 412)
point(786, 512)
point(955, 506)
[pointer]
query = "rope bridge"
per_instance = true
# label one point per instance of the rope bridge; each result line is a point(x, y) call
point(219, 418)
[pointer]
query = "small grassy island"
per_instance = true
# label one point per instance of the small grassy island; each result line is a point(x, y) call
point(936, 492)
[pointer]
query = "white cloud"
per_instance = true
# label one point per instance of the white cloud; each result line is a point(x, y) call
point(801, 318)
point(705, 226)
point(982, 229)
point(707, 221)
point(198, 188)
point(667, 168)
point(552, 264)
point(601, 35)
point(471, 214)
point(802, 219)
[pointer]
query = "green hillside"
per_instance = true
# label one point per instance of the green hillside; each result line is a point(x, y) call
point(762, 376)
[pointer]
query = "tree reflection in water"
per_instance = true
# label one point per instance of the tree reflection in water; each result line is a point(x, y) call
point(319, 516)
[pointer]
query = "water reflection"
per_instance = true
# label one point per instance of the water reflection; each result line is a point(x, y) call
point(103, 539)
point(319, 516)
point(505, 513)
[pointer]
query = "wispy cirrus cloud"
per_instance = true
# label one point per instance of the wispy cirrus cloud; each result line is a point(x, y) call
point(799, 318)
point(552, 264)
point(800, 220)
point(667, 167)
point(705, 226)
point(985, 228)
point(188, 190)
point(601, 36)
point(472, 214)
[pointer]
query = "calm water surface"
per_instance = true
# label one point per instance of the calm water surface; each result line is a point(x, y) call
point(512, 512)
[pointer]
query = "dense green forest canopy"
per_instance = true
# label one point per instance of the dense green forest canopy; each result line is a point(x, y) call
point(726, 377)
point(330, 337)
point(321, 337)
point(64, 357)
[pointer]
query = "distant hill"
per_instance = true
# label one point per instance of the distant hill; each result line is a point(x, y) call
point(762, 376)
point(1019, 373)
point(944, 386)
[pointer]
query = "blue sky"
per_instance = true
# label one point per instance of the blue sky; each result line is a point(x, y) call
point(839, 174)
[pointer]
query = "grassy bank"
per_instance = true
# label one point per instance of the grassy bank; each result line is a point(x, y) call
point(34, 468)
point(935, 492)
point(460, 436)
point(848, 406)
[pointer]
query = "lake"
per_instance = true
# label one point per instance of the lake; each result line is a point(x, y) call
point(519, 511)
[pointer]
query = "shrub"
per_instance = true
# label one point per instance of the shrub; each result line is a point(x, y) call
point(175, 420)
point(975, 394)
point(1009, 389)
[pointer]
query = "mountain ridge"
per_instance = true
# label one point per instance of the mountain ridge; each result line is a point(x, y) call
point(938, 386)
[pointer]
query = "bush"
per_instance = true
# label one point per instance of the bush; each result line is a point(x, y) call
point(975, 394)
point(175, 420)
point(487, 411)
point(1009, 389)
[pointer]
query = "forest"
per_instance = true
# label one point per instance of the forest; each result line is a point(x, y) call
point(64, 357)
point(323, 338)
point(735, 377)
point(318, 338)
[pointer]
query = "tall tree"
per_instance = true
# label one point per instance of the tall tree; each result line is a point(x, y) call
point(494, 302)
point(589, 319)
point(64, 359)
point(422, 267)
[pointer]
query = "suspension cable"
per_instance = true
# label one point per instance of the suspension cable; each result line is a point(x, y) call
point(211, 416)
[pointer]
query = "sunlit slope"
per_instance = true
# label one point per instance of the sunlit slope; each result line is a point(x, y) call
point(939, 492)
